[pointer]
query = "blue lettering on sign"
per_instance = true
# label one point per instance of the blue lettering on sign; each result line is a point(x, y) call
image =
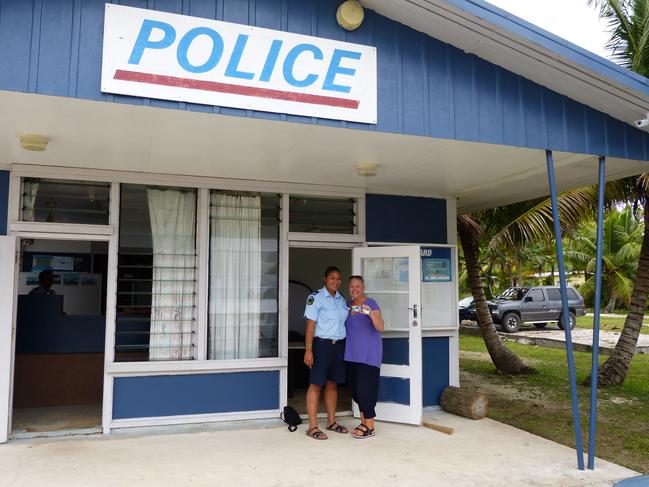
point(233, 65)
point(144, 39)
point(271, 60)
point(335, 69)
point(289, 62)
point(215, 55)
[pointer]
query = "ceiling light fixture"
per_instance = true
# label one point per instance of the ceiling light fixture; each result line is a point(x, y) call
point(350, 15)
point(34, 142)
point(366, 169)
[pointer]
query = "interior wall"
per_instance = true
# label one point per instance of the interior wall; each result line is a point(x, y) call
point(308, 265)
point(65, 246)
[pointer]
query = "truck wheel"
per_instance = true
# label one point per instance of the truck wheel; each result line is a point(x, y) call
point(511, 323)
point(540, 325)
point(571, 317)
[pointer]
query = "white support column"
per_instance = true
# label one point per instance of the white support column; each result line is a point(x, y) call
point(15, 200)
point(111, 307)
point(283, 298)
point(8, 260)
point(202, 268)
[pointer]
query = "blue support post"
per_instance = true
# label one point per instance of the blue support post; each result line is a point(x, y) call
point(565, 317)
point(592, 421)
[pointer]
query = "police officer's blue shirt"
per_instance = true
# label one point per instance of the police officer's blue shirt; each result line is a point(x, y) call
point(328, 312)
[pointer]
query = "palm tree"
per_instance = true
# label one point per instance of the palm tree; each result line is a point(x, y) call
point(512, 227)
point(621, 250)
point(629, 29)
point(471, 232)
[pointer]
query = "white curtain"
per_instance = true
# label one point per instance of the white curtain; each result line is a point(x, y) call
point(29, 201)
point(235, 276)
point(173, 225)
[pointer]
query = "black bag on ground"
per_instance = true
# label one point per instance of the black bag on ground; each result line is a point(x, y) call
point(291, 418)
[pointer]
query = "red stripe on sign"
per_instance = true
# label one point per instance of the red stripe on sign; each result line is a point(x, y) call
point(197, 84)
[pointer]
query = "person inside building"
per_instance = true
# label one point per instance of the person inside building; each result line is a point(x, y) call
point(45, 281)
point(326, 311)
point(363, 354)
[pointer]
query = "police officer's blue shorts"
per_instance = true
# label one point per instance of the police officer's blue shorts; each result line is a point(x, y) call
point(328, 362)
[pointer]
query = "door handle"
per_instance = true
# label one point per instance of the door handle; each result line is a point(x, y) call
point(414, 310)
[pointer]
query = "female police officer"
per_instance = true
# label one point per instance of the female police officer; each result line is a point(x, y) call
point(325, 313)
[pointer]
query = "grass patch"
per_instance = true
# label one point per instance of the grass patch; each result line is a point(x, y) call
point(541, 404)
point(607, 323)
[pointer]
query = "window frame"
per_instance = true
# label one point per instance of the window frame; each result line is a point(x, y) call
point(203, 185)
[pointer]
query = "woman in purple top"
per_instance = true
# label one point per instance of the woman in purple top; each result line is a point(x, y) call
point(363, 354)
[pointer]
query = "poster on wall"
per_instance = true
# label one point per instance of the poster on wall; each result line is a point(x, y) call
point(435, 264)
point(168, 56)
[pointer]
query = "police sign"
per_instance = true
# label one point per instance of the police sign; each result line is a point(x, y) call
point(175, 57)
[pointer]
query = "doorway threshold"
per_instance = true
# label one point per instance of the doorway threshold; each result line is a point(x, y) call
point(24, 434)
point(339, 414)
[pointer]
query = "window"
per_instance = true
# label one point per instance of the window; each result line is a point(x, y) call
point(555, 294)
point(61, 201)
point(156, 281)
point(322, 215)
point(536, 295)
point(243, 276)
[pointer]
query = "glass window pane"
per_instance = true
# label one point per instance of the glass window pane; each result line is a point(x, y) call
point(61, 201)
point(394, 309)
point(322, 215)
point(536, 295)
point(156, 282)
point(244, 276)
point(385, 273)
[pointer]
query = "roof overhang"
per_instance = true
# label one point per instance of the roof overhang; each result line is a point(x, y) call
point(490, 33)
point(122, 137)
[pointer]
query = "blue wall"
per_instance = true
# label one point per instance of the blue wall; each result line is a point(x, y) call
point(4, 201)
point(435, 373)
point(435, 369)
point(405, 219)
point(42, 329)
point(170, 395)
point(425, 87)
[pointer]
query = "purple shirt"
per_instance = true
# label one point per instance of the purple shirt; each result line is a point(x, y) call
point(363, 344)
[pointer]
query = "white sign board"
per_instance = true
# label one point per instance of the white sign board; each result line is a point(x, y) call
point(175, 57)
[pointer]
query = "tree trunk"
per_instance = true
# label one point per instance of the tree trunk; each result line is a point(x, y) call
point(614, 370)
point(464, 402)
point(552, 274)
point(519, 264)
point(611, 304)
point(503, 358)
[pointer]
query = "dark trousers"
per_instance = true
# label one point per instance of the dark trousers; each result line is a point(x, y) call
point(363, 382)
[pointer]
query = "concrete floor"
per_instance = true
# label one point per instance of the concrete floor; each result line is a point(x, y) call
point(55, 418)
point(298, 401)
point(480, 453)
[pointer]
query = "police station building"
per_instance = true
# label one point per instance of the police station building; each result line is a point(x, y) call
point(175, 176)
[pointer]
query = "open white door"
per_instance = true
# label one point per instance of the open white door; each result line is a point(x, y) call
point(392, 277)
point(7, 302)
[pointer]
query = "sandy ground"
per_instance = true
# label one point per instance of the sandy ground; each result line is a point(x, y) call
point(484, 453)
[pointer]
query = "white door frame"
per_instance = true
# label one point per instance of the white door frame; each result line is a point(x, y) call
point(388, 411)
point(306, 241)
point(8, 292)
point(8, 269)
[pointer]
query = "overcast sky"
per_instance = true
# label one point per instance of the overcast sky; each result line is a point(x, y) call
point(573, 20)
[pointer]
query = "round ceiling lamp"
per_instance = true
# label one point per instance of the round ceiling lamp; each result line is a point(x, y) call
point(366, 169)
point(350, 15)
point(34, 142)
